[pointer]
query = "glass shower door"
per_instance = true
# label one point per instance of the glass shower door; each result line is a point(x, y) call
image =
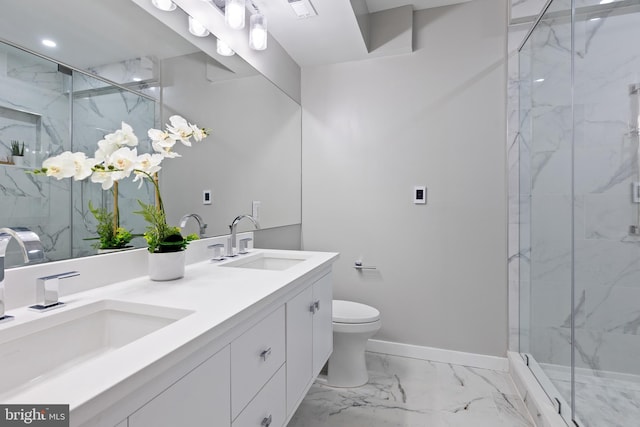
point(547, 209)
point(607, 238)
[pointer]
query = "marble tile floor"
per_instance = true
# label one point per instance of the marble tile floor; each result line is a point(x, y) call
point(603, 402)
point(416, 393)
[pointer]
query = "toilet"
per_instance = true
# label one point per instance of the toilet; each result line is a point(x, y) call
point(353, 325)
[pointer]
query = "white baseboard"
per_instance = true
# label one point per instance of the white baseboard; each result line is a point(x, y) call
point(439, 355)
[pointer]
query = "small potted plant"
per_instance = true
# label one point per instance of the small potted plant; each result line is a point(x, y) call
point(17, 153)
point(111, 237)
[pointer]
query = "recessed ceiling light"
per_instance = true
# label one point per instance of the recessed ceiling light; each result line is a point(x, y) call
point(606, 1)
point(166, 5)
point(136, 79)
point(49, 43)
point(196, 28)
point(223, 49)
point(539, 80)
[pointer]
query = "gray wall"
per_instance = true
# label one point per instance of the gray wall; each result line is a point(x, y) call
point(371, 131)
point(253, 152)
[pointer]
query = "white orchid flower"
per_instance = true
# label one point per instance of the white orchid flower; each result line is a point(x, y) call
point(122, 137)
point(157, 135)
point(164, 150)
point(106, 178)
point(146, 164)
point(180, 129)
point(83, 166)
point(60, 166)
point(123, 160)
point(197, 133)
point(106, 147)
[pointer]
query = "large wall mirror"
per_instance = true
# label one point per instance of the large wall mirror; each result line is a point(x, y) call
point(115, 62)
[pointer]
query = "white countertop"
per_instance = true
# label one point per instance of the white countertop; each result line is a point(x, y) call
point(220, 298)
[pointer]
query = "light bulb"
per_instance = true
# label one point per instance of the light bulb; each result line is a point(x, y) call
point(234, 11)
point(223, 49)
point(196, 28)
point(166, 5)
point(258, 32)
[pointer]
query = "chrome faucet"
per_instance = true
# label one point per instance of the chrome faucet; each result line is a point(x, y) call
point(199, 220)
point(234, 224)
point(47, 291)
point(32, 251)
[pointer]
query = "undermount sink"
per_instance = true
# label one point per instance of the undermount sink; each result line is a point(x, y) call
point(266, 262)
point(43, 348)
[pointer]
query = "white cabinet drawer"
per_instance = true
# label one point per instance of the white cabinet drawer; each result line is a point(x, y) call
point(200, 398)
point(255, 356)
point(268, 408)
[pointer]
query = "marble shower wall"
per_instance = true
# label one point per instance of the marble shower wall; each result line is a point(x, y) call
point(35, 110)
point(36, 107)
point(605, 160)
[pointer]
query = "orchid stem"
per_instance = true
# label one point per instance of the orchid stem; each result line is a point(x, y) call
point(116, 211)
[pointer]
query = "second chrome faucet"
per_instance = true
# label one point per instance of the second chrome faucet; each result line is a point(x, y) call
point(233, 240)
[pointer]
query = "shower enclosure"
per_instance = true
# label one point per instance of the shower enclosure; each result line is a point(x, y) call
point(580, 209)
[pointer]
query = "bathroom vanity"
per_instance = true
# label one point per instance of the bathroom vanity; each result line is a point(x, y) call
point(234, 343)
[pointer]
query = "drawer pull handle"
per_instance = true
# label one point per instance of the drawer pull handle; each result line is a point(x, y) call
point(317, 305)
point(266, 421)
point(264, 354)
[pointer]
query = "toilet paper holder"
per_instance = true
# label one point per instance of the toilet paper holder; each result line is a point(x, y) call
point(358, 266)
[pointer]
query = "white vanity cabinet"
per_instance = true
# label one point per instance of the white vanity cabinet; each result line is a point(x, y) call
point(309, 338)
point(254, 374)
point(200, 398)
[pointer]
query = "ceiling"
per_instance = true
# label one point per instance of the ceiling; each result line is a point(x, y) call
point(333, 35)
point(119, 30)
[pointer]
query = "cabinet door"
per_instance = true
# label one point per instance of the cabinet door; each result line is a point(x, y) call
point(200, 398)
point(299, 346)
point(322, 323)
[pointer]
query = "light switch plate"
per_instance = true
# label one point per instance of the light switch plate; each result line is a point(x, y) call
point(420, 195)
point(206, 197)
point(255, 209)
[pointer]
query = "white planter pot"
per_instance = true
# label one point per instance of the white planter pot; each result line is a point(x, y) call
point(18, 160)
point(166, 266)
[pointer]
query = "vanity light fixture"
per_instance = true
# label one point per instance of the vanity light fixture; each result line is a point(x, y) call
point(234, 11)
point(258, 31)
point(49, 43)
point(223, 49)
point(166, 5)
point(196, 28)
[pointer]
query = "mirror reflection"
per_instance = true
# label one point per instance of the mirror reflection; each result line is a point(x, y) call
point(250, 161)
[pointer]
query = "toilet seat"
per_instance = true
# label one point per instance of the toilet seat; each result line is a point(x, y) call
point(349, 312)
